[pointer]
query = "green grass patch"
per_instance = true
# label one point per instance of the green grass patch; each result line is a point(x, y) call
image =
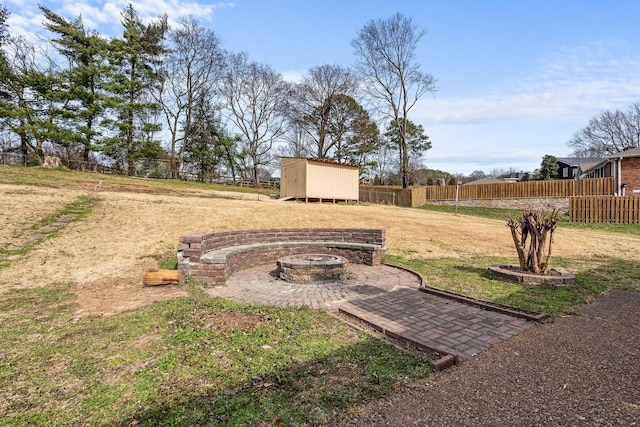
point(468, 276)
point(80, 208)
point(167, 260)
point(188, 361)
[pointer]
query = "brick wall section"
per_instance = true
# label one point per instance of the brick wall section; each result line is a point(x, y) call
point(351, 243)
point(631, 174)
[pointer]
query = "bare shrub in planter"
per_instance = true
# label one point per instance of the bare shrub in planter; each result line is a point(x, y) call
point(533, 234)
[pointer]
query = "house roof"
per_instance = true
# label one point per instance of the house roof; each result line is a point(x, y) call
point(593, 167)
point(584, 163)
point(333, 162)
point(629, 152)
point(327, 161)
point(488, 180)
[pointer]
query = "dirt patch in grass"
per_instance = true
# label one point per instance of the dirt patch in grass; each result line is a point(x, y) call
point(110, 296)
point(234, 321)
point(107, 253)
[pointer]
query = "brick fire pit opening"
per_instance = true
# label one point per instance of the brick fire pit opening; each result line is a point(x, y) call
point(310, 268)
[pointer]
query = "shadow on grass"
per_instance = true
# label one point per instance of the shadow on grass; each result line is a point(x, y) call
point(479, 271)
point(306, 393)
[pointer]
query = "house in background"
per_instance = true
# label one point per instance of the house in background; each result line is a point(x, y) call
point(601, 169)
point(516, 176)
point(485, 180)
point(624, 167)
point(575, 167)
point(318, 179)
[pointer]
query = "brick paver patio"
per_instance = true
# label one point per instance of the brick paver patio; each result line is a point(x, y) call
point(387, 298)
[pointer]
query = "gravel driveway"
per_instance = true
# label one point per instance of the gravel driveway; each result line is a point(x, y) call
point(578, 370)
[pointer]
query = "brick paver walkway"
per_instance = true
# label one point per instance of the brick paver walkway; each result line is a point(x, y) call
point(388, 298)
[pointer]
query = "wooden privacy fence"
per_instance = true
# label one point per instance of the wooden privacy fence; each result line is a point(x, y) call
point(418, 196)
point(396, 196)
point(620, 210)
point(527, 189)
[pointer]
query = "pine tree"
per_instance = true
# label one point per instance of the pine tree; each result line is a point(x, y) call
point(548, 168)
point(81, 90)
point(412, 146)
point(28, 104)
point(210, 145)
point(134, 59)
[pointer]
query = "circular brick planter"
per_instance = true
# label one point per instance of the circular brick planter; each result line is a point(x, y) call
point(557, 276)
point(310, 268)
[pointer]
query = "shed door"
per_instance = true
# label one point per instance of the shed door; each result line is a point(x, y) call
point(294, 185)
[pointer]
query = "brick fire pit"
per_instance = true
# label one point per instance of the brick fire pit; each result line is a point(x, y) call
point(215, 255)
point(310, 268)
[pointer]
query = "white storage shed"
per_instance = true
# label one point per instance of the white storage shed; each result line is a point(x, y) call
point(318, 180)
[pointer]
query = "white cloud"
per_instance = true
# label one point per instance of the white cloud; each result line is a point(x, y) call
point(25, 20)
point(105, 16)
point(517, 123)
point(569, 84)
point(293, 76)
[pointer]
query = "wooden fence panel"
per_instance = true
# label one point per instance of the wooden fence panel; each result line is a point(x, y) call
point(378, 195)
point(598, 209)
point(417, 196)
point(527, 189)
point(411, 197)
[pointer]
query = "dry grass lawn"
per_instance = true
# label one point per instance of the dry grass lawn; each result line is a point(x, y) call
point(24, 206)
point(107, 253)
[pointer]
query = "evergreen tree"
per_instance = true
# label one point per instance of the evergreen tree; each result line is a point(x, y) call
point(81, 93)
point(134, 59)
point(548, 168)
point(28, 107)
point(352, 134)
point(411, 146)
point(209, 144)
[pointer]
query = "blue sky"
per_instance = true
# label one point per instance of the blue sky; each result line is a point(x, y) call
point(516, 78)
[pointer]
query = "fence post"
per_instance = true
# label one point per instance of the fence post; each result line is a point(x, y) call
point(457, 189)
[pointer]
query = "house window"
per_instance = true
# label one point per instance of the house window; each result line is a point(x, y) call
point(565, 172)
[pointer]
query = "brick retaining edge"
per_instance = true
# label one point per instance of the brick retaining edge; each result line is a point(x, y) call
point(213, 256)
point(530, 315)
point(447, 357)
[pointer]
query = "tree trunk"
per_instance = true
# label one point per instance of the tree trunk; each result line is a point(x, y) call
point(538, 225)
point(517, 240)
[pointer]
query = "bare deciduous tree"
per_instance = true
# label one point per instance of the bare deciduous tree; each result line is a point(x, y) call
point(608, 133)
point(189, 74)
point(256, 96)
point(314, 101)
point(533, 237)
point(296, 143)
point(386, 60)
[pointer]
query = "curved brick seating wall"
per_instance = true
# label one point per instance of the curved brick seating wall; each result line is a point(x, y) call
point(213, 256)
